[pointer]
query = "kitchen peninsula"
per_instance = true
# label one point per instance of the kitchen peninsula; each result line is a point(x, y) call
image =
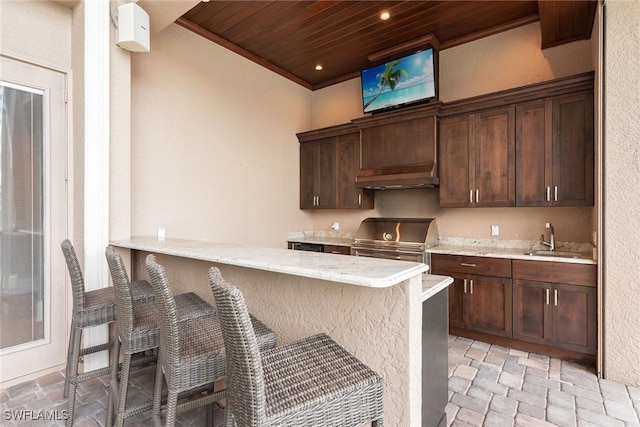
point(372, 307)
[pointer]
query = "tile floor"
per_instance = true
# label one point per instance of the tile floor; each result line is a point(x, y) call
point(488, 386)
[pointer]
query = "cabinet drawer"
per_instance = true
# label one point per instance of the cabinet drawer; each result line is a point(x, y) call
point(483, 266)
point(555, 272)
point(335, 249)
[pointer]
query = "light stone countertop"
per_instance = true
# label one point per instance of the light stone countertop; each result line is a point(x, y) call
point(432, 284)
point(360, 271)
point(512, 253)
point(322, 237)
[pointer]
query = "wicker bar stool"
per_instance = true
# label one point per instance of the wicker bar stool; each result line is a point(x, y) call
point(310, 382)
point(138, 331)
point(90, 308)
point(191, 353)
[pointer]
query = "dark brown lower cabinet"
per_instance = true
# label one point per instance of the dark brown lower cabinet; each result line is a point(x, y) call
point(539, 306)
point(477, 302)
point(546, 311)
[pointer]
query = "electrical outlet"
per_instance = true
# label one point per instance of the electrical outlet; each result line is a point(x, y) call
point(495, 230)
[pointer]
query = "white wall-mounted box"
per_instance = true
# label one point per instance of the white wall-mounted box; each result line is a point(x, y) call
point(133, 28)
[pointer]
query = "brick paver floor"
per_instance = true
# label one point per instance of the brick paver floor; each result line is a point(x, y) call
point(488, 386)
point(491, 385)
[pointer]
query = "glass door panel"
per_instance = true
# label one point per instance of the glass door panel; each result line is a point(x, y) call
point(21, 215)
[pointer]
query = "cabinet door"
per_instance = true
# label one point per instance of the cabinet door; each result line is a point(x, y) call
point(533, 154)
point(456, 301)
point(494, 146)
point(456, 160)
point(318, 174)
point(489, 305)
point(308, 169)
point(348, 158)
point(532, 311)
point(575, 318)
point(326, 176)
point(573, 150)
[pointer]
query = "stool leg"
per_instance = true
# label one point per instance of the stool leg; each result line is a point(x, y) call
point(172, 403)
point(157, 392)
point(72, 335)
point(124, 388)
point(71, 394)
point(229, 420)
point(113, 383)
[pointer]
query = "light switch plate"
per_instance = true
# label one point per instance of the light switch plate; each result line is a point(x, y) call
point(495, 230)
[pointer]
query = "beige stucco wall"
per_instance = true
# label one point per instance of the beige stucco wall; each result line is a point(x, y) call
point(622, 180)
point(38, 31)
point(499, 62)
point(213, 148)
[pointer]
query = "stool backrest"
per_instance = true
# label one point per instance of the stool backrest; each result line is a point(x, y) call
point(169, 354)
point(245, 395)
point(122, 288)
point(75, 273)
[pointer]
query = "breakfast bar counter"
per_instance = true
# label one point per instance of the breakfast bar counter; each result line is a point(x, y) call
point(372, 307)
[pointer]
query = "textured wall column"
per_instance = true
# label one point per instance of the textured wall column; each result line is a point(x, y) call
point(622, 180)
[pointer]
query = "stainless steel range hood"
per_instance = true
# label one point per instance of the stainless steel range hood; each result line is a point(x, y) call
point(399, 177)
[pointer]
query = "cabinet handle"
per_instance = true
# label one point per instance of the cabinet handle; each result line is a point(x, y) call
point(359, 199)
point(470, 196)
point(555, 297)
point(471, 286)
point(466, 264)
point(465, 286)
point(317, 200)
point(477, 195)
point(555, 193)
point(548, 194)
point(547, 292)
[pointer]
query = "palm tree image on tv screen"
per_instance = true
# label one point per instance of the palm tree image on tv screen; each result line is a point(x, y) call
point(399, 82)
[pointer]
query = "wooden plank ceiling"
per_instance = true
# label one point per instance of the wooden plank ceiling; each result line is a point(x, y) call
point(292, 37)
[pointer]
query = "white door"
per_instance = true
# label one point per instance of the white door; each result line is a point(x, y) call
point(33, 218)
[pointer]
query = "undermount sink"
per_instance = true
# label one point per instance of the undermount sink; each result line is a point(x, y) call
point(559, 254)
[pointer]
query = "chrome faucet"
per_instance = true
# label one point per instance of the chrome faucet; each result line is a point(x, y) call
point(552, 238)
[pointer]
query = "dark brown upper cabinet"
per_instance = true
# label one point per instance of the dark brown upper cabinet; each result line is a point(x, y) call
point(530, 146)
point(554, 151)
point(329, 162)
point(477, 165)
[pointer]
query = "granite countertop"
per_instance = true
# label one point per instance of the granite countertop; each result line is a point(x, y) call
point(571, 252)
point(321, 237)
point(359, 271)
point(577, 253)
point(432, 284)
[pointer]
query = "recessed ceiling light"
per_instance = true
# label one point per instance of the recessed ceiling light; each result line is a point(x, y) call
point(319, 67)
point(385, 15)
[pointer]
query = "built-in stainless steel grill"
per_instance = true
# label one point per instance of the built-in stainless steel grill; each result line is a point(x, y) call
point(396, 238)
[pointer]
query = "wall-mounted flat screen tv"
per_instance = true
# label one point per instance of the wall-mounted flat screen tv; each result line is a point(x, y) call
point(407, 80)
